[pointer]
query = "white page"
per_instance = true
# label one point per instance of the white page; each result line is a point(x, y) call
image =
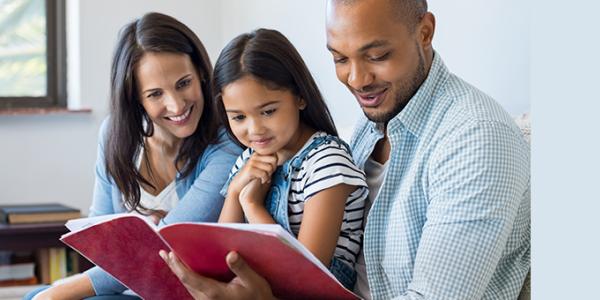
point(82, 223)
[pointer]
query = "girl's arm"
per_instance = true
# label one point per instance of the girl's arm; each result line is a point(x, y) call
point(77, 287)
point(232, 211)
point(252, 202)
point(322, 221)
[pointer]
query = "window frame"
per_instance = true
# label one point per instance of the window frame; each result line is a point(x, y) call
point(56, 75)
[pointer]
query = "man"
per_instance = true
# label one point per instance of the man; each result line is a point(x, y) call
point(447, 168)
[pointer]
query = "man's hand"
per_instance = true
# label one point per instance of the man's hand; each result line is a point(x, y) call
point(247, 284)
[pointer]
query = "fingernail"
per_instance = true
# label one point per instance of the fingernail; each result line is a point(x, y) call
point(233, 258)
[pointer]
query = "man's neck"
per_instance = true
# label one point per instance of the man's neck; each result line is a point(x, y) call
point(381, 153)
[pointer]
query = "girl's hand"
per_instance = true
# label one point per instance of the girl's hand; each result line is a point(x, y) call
point(254, 193)
point(259, 167)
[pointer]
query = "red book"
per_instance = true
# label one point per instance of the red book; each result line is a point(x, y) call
point(127, 246)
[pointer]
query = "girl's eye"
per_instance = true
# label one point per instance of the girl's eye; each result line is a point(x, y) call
point(238, 118)
point(154, 94)
point(184, 83)
point(269, 112)
point(380, 57)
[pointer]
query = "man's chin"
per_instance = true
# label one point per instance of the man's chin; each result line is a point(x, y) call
point(378, 117)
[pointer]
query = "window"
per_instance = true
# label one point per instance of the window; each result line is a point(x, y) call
point(32, 54)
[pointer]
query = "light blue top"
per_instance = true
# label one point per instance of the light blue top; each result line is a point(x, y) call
point(452, 217)
point(199, 195)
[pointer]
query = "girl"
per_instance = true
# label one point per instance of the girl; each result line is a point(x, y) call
point(161, 152)
point(295, 171)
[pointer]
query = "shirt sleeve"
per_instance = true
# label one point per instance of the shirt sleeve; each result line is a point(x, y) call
point(104, 187)
point(203, 202)
point(478, 179)
point(102, 282)
point(239, 163)
point(327, 166)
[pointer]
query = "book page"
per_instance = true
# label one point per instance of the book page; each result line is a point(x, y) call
point(82, 223)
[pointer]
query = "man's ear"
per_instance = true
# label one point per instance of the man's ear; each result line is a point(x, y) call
point(426, 30)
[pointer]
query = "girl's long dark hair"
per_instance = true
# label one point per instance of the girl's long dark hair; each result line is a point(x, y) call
point(269, 57)
point(129, 123)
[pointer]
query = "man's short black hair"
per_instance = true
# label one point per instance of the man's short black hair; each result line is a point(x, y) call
point(407, 11)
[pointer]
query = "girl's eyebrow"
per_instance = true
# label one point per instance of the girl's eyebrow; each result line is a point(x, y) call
point(258, 107)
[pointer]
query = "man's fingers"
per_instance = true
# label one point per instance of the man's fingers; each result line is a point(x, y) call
point(192, 281)
point(241, 269)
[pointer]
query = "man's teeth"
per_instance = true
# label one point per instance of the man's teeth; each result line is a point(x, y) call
point(181, 117)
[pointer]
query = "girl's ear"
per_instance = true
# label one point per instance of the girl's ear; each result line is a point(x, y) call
point(301, 103)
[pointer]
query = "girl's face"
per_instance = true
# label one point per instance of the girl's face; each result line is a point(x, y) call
point(170, 92)
point(263, 119)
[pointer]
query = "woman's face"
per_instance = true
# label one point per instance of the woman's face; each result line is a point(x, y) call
point(263, 119)
point(170, 92)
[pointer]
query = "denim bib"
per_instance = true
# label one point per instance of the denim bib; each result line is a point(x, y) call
point(276, 202)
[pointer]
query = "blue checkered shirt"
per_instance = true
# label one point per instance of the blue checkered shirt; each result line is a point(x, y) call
point(452, 217)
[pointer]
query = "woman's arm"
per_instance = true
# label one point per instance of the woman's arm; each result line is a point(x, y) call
point(322, 221)
point(74, 288)
point(203, 202)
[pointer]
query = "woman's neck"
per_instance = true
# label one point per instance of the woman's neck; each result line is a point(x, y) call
point(165, 142)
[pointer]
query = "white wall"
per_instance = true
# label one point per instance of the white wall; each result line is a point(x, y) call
point(51, 158)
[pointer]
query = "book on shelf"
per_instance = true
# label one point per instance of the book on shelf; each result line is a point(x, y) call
point(37, 213)
point(127, 246)
point(17, 268)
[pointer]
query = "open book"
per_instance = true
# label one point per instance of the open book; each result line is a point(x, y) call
point(127, 246)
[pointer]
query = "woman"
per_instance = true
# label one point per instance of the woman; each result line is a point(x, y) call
point(161, 151)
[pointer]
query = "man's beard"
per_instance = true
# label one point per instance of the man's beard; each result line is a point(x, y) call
point(405, 91)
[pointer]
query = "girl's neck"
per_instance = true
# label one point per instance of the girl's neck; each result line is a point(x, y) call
point(302, 135)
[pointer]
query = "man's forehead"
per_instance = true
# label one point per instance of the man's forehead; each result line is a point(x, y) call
point(358, 28)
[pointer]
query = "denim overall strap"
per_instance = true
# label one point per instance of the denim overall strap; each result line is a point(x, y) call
point(277, 202)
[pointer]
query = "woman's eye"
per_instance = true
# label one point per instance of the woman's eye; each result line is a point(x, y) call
point(184, 83)
point(154, 94)
point(269, 112)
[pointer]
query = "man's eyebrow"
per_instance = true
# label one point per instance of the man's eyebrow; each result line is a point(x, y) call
point(371, 45)
point(374, 44)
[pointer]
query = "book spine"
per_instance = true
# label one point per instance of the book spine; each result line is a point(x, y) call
point(58, 263)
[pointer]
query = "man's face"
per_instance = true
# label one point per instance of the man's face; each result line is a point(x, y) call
point(375, 55)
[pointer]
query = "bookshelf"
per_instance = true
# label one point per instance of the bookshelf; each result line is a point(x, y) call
point(31, 237)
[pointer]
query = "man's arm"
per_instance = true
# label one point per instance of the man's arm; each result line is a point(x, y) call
point(477, 181)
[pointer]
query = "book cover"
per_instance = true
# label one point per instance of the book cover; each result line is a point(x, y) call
point(37, 213)
point(127, 247)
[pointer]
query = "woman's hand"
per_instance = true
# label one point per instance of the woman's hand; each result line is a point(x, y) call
point(257, 167)
point(247, 285)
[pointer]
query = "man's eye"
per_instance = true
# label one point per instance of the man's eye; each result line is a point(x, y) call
point(340, 60)
point(380, 57)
